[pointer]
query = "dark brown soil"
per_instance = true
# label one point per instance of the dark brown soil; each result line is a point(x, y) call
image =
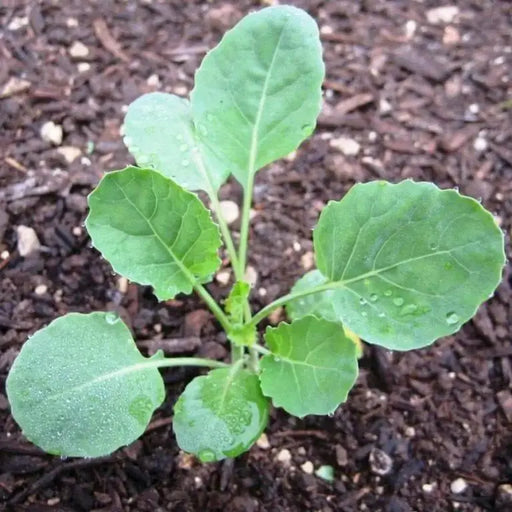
point(426, 101)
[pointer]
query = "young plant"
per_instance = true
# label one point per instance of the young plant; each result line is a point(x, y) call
point(398, 264)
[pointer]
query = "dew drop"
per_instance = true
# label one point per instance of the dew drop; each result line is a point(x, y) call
point(448, 265)
point(364, 313)
point(433, 246)
point(206, 456)
point(388, 293)
point(408, 309)
point(374, 297)
point(112, 317)
point(210, 117)
point(452, 318)
point(362, 301)
point(183, 147)
point(398, 301)
point(381, 315)
point(307, 129)
point(185, 163)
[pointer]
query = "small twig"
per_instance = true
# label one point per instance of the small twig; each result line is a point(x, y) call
point(302, 433)
point(51, 475)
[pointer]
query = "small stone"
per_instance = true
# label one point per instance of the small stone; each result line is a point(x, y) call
point(263, 442)
point(51, 502)
point(307, 260)
point(223, 17)
point(296, 246)
point(122, 284)
point(504, 497)
point(290, 157)
point(341, 455)
point(428, 488)
point(326, 29)
point(307, 467)
point(185, 460)
point(276, 316)
point(5, 254)
point(380, 462)
point(262, 292)
point(372, 136)
point(251, 276)
point(451, 36)
point(474, 108)
point(70, 153)
point(223, 277)
point(410, 431)
point(180, 90)
point(51, 132)
point(154, 81)
point(40, 289)
point(18, 22)
point(347, 146)
point(442, 14)
point(28, 243)
point(385, 106)
point(77, 231)
point(78, 50)
point(325, 473)
point(14, 86)
point(72, 22)
point(458, 486)
point(83, 67)
point(410, 28)
point(284, 456)
point(229, 211)
point(480, 144)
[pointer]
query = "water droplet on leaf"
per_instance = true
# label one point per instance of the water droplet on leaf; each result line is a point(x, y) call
point(398, 301)
point(452, 318)
point(388, 293)
point(206, 456)
point(374, 297)
point(408, 309)
point(183, 147)
point(185, 163)
point(363, 301)
point(112, 317)
point(433, 246)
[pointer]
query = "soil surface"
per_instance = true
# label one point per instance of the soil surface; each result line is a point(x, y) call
point(417, 96)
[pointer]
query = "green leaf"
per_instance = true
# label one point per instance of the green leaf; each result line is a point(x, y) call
point(258, 93)
point(408, 263)
point(152, 231)
point(80, 387)
point(159, 132)
point(220, 415)
point(237, 301)
point(312, 367)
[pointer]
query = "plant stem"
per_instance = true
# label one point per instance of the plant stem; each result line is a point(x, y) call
point(237, 352)
point(258, 317)
point(214, 307)
point(188, 361)
point(244, 226)
point(261, 350)
point(226, 235)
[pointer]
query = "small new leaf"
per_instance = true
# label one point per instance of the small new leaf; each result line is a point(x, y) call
point(258, 93)
point(159, 132)
point(220, 415)
point(152, 231)
point(312, 367)
point(408, 263)
point(80, 387)
point(237, 301)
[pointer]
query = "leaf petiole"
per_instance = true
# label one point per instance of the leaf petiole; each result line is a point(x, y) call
point(188, 361)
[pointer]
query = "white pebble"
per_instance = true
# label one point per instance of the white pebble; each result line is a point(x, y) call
point(28, 243)
point(458, 486)
point(72, 22)
point(229, 211)
point(122, 284)
point(385, 106)
point(307, 467)
point(70, 153)
point(480, 144)
point(474, 108)
point(78, 50)
point(349, 147)
point(51, 132)
point(154, 80)
point(18, 22)
point(410, 431)
point(428, 488)
point(307, 260)
point(251, 276)
point(223, 277)
point(40, 289)
point(442, 14)
point(410, 28)
point(83, 67)
point(263, 442)
point(284, 456)
point(77, 231)
point(4, 255)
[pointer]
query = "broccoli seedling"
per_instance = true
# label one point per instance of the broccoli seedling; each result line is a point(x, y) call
point(399, 265)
